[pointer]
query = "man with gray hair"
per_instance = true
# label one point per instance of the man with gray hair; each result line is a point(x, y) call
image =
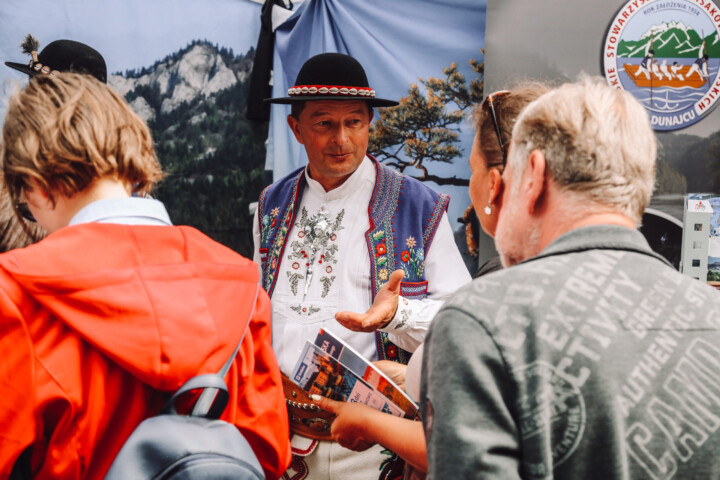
point(591, 357)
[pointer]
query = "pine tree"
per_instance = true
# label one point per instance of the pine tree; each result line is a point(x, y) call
point(424, 128)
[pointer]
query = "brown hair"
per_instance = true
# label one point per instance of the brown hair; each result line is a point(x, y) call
point(14, 232)
point(67, 130)
point(507, 108)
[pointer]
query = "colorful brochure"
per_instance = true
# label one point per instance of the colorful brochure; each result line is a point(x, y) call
point(343, 357)
point(319, 373)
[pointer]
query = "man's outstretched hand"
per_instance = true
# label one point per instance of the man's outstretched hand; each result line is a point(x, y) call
point(380, 313)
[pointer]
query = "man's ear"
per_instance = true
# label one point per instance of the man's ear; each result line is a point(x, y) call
point(534, 180)
point(295, 128)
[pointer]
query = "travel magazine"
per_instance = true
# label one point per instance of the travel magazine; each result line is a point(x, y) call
point(331, 368)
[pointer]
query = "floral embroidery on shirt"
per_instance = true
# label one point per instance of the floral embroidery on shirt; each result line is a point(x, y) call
point(315, 249)
point(413, 261)
point(404, 316)
point(294, 279)
point(327, 282)
point(307, 311)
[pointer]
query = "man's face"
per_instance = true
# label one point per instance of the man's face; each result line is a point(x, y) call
point(335, 135)
point(517, 235)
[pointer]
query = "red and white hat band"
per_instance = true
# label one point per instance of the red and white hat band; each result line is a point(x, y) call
point(301, 90)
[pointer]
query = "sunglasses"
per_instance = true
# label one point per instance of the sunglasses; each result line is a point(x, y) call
point(490, 102)
point(24, 211)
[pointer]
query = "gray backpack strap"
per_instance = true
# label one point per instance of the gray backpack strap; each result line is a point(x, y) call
point(205, 402)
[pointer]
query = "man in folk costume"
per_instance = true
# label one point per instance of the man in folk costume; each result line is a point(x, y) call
point(347, 234)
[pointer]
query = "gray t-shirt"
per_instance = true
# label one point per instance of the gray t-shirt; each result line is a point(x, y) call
point(593, 360)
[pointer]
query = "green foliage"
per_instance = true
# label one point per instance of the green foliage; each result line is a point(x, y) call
point(424, 127)
point(213, 156)
point(713, 276)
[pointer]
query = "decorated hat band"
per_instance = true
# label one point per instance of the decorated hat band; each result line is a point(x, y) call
point(39, 67)
point(60, 56)
point(340, 91)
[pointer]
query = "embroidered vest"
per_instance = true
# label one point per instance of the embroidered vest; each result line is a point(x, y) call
point(404, 215)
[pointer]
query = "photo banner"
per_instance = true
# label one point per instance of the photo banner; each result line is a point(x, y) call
point(184, 68)
point(400, 44)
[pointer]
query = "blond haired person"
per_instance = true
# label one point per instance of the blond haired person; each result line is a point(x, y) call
point(115, 307)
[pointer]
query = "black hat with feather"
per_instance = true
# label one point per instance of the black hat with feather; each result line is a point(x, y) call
point(61, 56)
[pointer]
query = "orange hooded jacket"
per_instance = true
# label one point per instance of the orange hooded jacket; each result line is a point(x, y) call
point(99, 321)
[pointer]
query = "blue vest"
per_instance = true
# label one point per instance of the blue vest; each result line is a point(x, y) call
point(404, 215)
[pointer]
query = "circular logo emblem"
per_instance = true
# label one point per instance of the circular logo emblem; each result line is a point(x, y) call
point(552, 408)
point(666, 53)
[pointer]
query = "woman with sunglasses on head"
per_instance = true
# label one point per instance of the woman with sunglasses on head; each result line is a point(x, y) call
point(357, 426)
point(116, 308)
point(494, 121)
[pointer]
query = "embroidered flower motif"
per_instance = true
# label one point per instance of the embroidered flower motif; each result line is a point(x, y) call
point(295, 265)
point(380, 249)
point(383, 274)
point(314, 233)
point(300, 310)
point(328, 269)
point(333, 237)
point(320, 227)
point(392, 352)
point(413, 261)
point(274, 212)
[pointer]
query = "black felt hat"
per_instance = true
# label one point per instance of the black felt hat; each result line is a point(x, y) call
point(62, 56)
point(332, 76)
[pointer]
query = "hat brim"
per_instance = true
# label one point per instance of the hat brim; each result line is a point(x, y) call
point(22, 67)
point(372, 102)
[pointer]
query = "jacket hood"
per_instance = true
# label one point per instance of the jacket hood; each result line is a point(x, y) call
point(165, 303)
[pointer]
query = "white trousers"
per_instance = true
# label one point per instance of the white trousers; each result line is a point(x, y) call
point(329, 461)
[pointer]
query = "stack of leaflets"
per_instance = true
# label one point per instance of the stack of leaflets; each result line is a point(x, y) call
point(331, 368)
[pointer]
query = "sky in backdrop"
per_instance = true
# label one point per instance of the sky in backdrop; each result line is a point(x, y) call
point(128, 33)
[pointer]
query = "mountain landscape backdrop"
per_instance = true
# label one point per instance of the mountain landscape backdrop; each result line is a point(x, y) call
point(194, 103)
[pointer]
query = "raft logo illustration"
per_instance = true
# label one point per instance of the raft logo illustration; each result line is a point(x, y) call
point(666, 53)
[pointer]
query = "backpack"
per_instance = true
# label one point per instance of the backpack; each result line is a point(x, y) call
point(171, 446)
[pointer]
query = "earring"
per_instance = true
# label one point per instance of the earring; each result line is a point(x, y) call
point(487, 209)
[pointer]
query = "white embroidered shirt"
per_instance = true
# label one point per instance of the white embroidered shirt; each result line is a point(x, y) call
point(325, 268)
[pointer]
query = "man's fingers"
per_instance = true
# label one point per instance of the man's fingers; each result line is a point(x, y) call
point(396, 277)
point(325, 403)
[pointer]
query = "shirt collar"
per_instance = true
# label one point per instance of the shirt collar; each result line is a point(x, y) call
point(595, 237)
point(365, 171)
point(129, 210)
